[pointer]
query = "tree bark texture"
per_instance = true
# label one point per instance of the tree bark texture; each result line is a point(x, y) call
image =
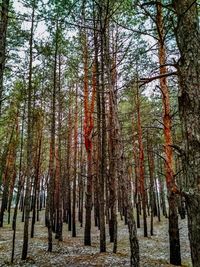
point(188, 40)
point(175, 254)
point(3, 31)
point(27, 200)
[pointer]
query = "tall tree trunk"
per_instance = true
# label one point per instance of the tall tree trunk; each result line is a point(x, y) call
point(3, 31)
point(134, 245)
point(81, 174)
point(141, 164)
point(136, 169)
point(112, 122)
point(68, 160)
point(20, 183)
point(188, 40)
point(59, 208)
point(75, 165)
point(27, 200)
point(37, 180)
point(151, 174)
point(175, 254)
point(100, 139)
point(88, 129)
point(52, 148)
point(88, 201)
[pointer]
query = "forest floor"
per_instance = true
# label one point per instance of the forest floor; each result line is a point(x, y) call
point(154, 250)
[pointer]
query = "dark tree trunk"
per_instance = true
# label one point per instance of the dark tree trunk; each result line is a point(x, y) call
point(174, 240)
point(88, 146)
point(51, 184)
point(68, 217)
point(27, 200)
point(20, 183)
point(88, 203)
point(113, 123)
point(12, 183)
point(36, 184)
point(101, 124)
point(59, 208)
point(81, 174)
point(151, 174)
point(126, 187)
point(188, 40)
point(75, 165)
point(4, 201)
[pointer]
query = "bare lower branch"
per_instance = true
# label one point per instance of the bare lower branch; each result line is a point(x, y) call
point(150, 79)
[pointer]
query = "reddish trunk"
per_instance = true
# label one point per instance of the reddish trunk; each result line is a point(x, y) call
point(175, 257)
point(88, 127)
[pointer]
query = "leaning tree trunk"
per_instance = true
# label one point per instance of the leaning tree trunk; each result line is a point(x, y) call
point(188, 40)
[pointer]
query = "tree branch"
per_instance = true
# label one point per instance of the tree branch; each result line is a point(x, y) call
point(150, 79)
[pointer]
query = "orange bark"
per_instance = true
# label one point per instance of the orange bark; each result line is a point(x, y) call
point(141, 164)
point(166, 102)
point(88, 120)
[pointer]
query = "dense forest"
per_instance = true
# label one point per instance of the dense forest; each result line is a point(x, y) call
point(99, 133)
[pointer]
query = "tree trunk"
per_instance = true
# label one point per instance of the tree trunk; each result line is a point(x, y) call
point(3, 31)
point(51, 183)
point(188, 40)
point(141, 164)
point(59, 208)
point(37, 180)
point(175, 254)
point(68, 171)
point(27, 200)
point(75, 165)
point(101, 137)
point(151, 174)
point(20, 183)
point(113, 124)
point(81, 174)
point(88, 127)
point(88, 202)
